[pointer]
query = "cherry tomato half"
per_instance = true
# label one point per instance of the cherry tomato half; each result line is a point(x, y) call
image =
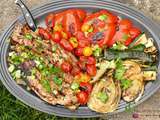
point(88, 60)
point(78, 51)
point(82, 97)
point(75, 70)
point(44, 33)
point(56, 36)
point(91, 70)
point(66, 67)
point(66, 45)
point(86, 86)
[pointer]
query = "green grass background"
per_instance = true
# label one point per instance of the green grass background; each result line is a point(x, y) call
point(13, 109)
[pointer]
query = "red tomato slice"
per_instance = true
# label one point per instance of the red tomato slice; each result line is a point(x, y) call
point(125, 24)
point(134, 32)
point(109, 34)
point(71, 22)
point(123, 36)
point(81, 14)
point(49, 20)
point(92, 17)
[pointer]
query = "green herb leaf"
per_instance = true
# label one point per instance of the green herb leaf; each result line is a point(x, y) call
point(97, 51)
point(57, 80)
point(120, 69)
point(125, 83)
point(28, 36)
point(102, 17)
point(55, 69)
point(102, 96)
point(46, 85)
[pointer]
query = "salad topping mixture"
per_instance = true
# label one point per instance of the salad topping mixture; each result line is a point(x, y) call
point(81, 58)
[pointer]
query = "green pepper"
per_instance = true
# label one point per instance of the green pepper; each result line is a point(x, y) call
point(57, 80)
point(74, 86)
point(46, 85)
point(102, 96)
point(28, 36)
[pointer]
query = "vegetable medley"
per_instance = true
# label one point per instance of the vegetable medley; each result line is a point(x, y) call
point(79, 58)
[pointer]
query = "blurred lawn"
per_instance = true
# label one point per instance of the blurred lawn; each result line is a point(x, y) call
point(13, 109)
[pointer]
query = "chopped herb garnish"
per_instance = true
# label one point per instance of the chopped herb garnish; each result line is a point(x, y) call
point(55, 69)
point(102, 17)
point(125, 83)
point(57, 80)
point(120, 69)
point(119, 75)
point(46, 85)
point(28, 36)
point(102, 96)
point(97, 51)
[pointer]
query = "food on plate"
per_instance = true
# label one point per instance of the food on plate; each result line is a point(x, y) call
point(81, 58)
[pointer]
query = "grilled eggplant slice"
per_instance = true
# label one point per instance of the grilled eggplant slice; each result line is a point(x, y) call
point(113, 91)
point(135, 91)
point(133, 73)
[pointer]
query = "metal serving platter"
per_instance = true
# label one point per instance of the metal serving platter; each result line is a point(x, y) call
point(147, 25)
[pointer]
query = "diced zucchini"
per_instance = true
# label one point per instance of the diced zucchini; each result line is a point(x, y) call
point(11, 68)
point(141, 39)
point(17, 74)
point(149, 75)
point(74, 86)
